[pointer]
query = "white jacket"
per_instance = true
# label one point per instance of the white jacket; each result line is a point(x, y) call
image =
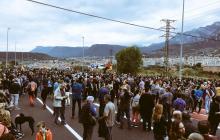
point(57, 98)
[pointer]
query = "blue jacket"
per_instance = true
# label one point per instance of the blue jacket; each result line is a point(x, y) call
point(198, 94)
point(77, 90)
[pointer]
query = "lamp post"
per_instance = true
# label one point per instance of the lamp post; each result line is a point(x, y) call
point(181, 43)
point(15, 54)
point(83, 54)
point(22, 57)
point(6, 56)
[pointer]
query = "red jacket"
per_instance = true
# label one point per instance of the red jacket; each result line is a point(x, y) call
point(39, 135)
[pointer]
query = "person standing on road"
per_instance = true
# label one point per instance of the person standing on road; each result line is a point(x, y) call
point(177, 131)
point(14, 91)
point(146, 105)
point(159, 123)
point(59, 99)
point(204, 129)
point(88, 118)
point(102, 92)
point(179, 103)
point(214, 115)
point(108, 117)
point(44, 94)
point(135, 108)
point(167, 98)
point(43, 132)
point(124, 107)
point(208, 98)
point(198, 96)
point(77, 90)
point(32, 89)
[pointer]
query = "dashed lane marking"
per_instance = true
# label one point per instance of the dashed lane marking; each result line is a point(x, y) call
point(70, 129)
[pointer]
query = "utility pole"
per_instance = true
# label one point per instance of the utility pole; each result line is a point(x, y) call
point(111, 55)
point(15, 54)
point(6, 56)
point(83, 53)
point(22, 58)
point(167, 36)
point(181, 43)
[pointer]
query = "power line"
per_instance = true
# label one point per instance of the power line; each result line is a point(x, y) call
point(113, 20)
point(91, 15)
point(197, 9)
point(205, 5)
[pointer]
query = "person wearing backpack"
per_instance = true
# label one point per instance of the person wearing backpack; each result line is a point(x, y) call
point(88, 118)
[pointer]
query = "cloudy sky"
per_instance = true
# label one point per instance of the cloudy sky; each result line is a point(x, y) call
point(34, 25)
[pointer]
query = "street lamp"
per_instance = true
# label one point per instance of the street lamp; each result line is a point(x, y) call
point(181, 43)
point(22, 57)
point(83, 54)
point(15, 54)
point(6, 61)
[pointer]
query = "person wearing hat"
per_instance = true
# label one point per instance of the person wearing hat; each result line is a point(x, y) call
point(88, 118)
point(43, 132)
point(214, 115)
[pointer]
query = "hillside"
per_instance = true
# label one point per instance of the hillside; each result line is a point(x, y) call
point(94, 50)
point(192, 46)
point(26, 56)
point(210, 31)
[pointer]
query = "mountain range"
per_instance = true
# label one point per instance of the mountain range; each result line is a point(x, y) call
point(198, 45)
point(25, 56)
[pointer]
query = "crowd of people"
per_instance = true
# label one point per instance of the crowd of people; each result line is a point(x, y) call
point(160, 104)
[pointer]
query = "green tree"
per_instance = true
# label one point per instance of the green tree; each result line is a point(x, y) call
point(129, 60)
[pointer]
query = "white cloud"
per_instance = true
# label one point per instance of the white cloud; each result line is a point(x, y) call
point(32, 24)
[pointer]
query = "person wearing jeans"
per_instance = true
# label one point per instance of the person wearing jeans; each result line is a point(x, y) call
point(76, 96)
point(14, 101)
point(14, 91)
point(208, 98)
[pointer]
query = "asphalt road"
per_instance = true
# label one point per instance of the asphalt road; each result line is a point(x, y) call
point(74, 130)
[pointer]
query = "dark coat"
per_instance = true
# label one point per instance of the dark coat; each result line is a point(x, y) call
point(189, 128)
point(160, 127)
point(102, 130)
point(86, 113)
point(146, 104)
point(214, 107)
point(14, 88)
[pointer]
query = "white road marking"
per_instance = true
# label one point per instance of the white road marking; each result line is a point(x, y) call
point(70, 129)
